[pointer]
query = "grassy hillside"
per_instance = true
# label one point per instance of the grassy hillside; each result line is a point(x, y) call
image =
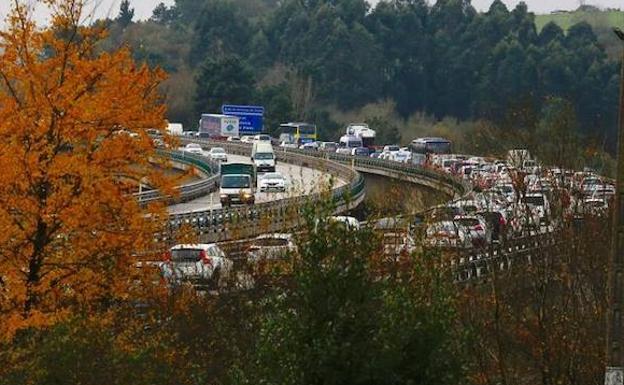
point(565, 20)
point(601, 21)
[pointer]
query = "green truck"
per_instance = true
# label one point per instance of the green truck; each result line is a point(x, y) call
point(238, 184)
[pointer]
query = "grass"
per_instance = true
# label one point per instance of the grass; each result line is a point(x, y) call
point(566, 20)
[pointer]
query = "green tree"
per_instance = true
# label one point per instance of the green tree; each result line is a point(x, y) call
point(344, 321)
point(225, 80)
point(126, 13)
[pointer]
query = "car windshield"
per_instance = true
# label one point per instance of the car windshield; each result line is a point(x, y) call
point(272, 176)
point(268, 242)
point(264, 155)
point(193, 145)
point(506, 189)
point(442, 227)
point(393, 148)
point(536, 200)
point(354, 144)
point(235, 181)
point(218, 150)
point(468, 222)
point(185, 255)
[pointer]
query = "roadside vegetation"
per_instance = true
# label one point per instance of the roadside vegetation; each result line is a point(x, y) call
point(79, 304)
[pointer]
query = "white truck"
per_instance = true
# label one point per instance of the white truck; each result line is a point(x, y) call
point(238, 184)
point(175, 129)
point(263, 157)
point(218, 126)
point(365, 133)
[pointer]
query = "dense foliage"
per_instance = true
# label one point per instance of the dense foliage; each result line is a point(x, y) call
point(444, 59)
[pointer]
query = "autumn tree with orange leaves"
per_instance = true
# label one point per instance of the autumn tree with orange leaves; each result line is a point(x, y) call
point(72, 148)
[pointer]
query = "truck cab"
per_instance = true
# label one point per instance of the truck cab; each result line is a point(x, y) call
point(263, 157)
point(238, 184)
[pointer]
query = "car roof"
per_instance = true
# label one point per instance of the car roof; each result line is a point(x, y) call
point(198, 246)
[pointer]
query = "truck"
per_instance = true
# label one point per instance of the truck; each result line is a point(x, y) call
point(218, 126)
point(175, 129)
point(362, 131)
point(238, 184)
point(263, 157)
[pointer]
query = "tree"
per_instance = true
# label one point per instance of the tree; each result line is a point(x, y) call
point(344, 319)
point(126, 13)
point(72, 122)
point(226, 80)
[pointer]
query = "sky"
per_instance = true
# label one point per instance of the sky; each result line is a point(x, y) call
point(143, 8)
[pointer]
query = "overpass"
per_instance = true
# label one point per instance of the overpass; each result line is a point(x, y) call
point(283, 212)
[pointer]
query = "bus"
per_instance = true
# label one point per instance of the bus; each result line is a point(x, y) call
point(298, 133)
point(431, 146)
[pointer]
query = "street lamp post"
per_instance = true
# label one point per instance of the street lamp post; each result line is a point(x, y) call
point(614, 373)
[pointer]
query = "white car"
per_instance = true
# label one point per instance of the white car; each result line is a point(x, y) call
point(402, 157)
point(389, 152)
point(262, 138)
point(233, 139)
point(218, 153)
point(247, 139)
point(350, 222)
point(271, 246)
point(199, 264)
point(193, 148)
point(310, 146)
point(272, 181)
point(285, 144)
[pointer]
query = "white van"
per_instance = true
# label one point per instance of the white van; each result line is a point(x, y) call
point(263, 157)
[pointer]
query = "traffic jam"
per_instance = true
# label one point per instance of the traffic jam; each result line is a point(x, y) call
point(509, 198)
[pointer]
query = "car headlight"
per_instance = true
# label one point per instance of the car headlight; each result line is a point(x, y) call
point(224, 196)
point(246, 195)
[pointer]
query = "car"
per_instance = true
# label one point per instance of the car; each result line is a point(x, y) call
point(193, 148)
point(262, 138)
point(271, 247)
point(595, 206)
point(272, 181)
point(203, 265)
point(360, 151)
point(466, 206)
point(475, 225)
point(247, 138)
point(328, 146)
point(444, 212)
point(538, 205)
point(447, 235)
point(285, 144)
point(351, 223)
point(401, 157)
point(390, 150)
point(310, 146)
point(218, 154)
point(233, 139)
point(375, 154)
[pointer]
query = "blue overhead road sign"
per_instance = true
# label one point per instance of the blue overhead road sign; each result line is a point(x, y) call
point(251, 117)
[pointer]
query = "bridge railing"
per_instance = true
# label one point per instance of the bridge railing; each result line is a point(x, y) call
point(188, 191)
point(275, 216)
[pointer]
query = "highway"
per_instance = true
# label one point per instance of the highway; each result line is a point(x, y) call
point(299, 181)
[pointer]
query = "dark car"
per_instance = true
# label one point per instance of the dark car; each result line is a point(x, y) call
point(360, 151)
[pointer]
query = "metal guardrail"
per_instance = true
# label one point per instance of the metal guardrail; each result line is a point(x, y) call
point(279, 215)
point(188, 191)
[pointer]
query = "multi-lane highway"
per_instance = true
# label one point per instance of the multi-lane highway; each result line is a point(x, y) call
point(300, 181)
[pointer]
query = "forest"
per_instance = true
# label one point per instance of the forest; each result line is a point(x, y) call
point(333, 61)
